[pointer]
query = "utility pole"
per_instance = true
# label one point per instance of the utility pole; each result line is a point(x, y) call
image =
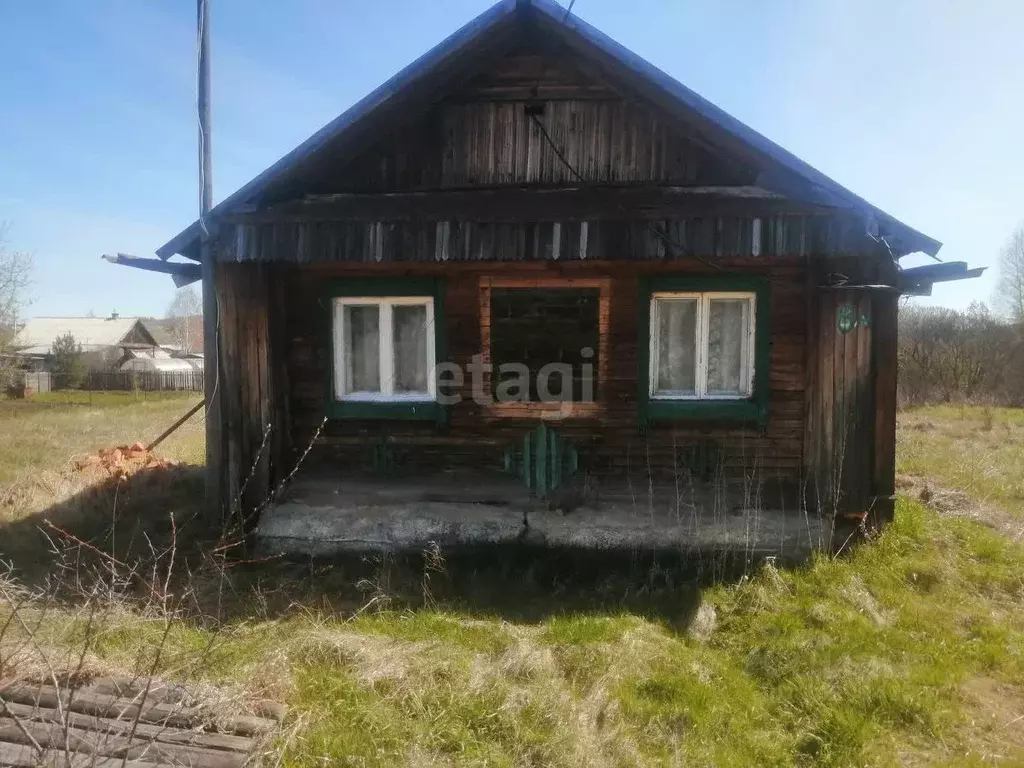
point(211, 341)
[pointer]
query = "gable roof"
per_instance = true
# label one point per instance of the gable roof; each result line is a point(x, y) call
point(163, 331)
point(486, 37)
point(93, 333)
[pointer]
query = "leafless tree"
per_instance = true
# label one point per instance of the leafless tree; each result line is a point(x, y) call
point(1010, 288)
point(15, 278)
point(182, 314)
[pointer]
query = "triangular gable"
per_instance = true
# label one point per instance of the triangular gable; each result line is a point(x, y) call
point(138, 334)
point(459, 59)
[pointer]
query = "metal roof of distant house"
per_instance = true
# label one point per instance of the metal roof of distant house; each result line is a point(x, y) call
point(431, 72)
point(93, 333)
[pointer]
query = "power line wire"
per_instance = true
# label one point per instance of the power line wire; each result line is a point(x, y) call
point(676, 247)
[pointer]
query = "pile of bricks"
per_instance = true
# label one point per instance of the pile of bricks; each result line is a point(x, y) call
point(124, 460)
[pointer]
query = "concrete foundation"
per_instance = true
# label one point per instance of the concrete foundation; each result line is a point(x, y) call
point(320, 516)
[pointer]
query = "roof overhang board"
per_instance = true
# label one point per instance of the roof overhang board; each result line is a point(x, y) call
point(462, 55)
point(918, 281)
point(181, 272)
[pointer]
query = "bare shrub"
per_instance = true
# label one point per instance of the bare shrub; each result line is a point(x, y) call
point(948, 355)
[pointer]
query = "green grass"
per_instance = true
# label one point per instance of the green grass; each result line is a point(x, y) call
point(908, 650)
point(977, 450)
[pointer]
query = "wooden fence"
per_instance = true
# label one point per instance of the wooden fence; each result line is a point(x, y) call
point(146, 381)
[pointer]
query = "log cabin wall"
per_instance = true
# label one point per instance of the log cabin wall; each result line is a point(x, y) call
point(474, 188)
point(609, 441)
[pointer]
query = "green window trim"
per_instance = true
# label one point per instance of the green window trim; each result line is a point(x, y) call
point(751, 410)
point(383, 287)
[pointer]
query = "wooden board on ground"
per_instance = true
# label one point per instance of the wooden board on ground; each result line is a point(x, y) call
point(122, 722)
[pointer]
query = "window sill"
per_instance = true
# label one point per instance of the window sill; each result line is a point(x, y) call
point(707, 410)
point(395, 410)
point(545, 411)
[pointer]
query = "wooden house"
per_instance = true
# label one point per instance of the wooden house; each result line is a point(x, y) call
point(532, 287)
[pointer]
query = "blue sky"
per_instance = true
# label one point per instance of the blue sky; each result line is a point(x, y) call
point(915, 105)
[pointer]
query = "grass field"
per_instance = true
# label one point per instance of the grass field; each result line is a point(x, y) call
point(46, 432)
point(907, 651)
point(975, 450)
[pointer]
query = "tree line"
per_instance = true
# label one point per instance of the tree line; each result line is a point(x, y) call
point(973, 355)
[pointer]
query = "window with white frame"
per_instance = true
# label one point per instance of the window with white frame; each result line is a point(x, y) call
point(702, 346)
point(384, 349)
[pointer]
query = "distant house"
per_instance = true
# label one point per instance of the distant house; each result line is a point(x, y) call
point(169, 334)
point(107, 342)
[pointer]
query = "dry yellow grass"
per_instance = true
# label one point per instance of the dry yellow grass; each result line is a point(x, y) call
point(966, 460)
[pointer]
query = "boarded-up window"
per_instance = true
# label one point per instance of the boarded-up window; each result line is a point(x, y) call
point(543, 326)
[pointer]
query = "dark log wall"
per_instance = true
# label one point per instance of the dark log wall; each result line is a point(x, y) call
point(610, 441)
point(483, 136)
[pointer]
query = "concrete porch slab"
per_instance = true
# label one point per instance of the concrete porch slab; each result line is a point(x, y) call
point(323, 516)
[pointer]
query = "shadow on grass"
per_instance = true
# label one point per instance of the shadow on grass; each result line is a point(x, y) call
point(137, 520)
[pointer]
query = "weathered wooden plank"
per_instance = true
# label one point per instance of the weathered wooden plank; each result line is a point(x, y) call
point(852, 484)
point(102, 705)
point(104, 726)
point(228, 382)
point(88, 741)
point(577, 203)
point(27, 756)
point(826, 400)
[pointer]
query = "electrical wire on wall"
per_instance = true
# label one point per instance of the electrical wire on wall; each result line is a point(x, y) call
point(673, 246)
point(579, 177)
point(664, 238)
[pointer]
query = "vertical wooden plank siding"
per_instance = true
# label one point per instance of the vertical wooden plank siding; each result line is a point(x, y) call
point(842, 417)
point(883, 468)
point(249, 397)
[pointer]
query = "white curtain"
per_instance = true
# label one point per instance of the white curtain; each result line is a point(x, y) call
point(409, 324)
point(727, 336)
point(677, 358)
point(362, 345)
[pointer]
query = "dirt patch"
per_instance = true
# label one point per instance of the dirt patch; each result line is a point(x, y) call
point(953, 502)
point(997, 717)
